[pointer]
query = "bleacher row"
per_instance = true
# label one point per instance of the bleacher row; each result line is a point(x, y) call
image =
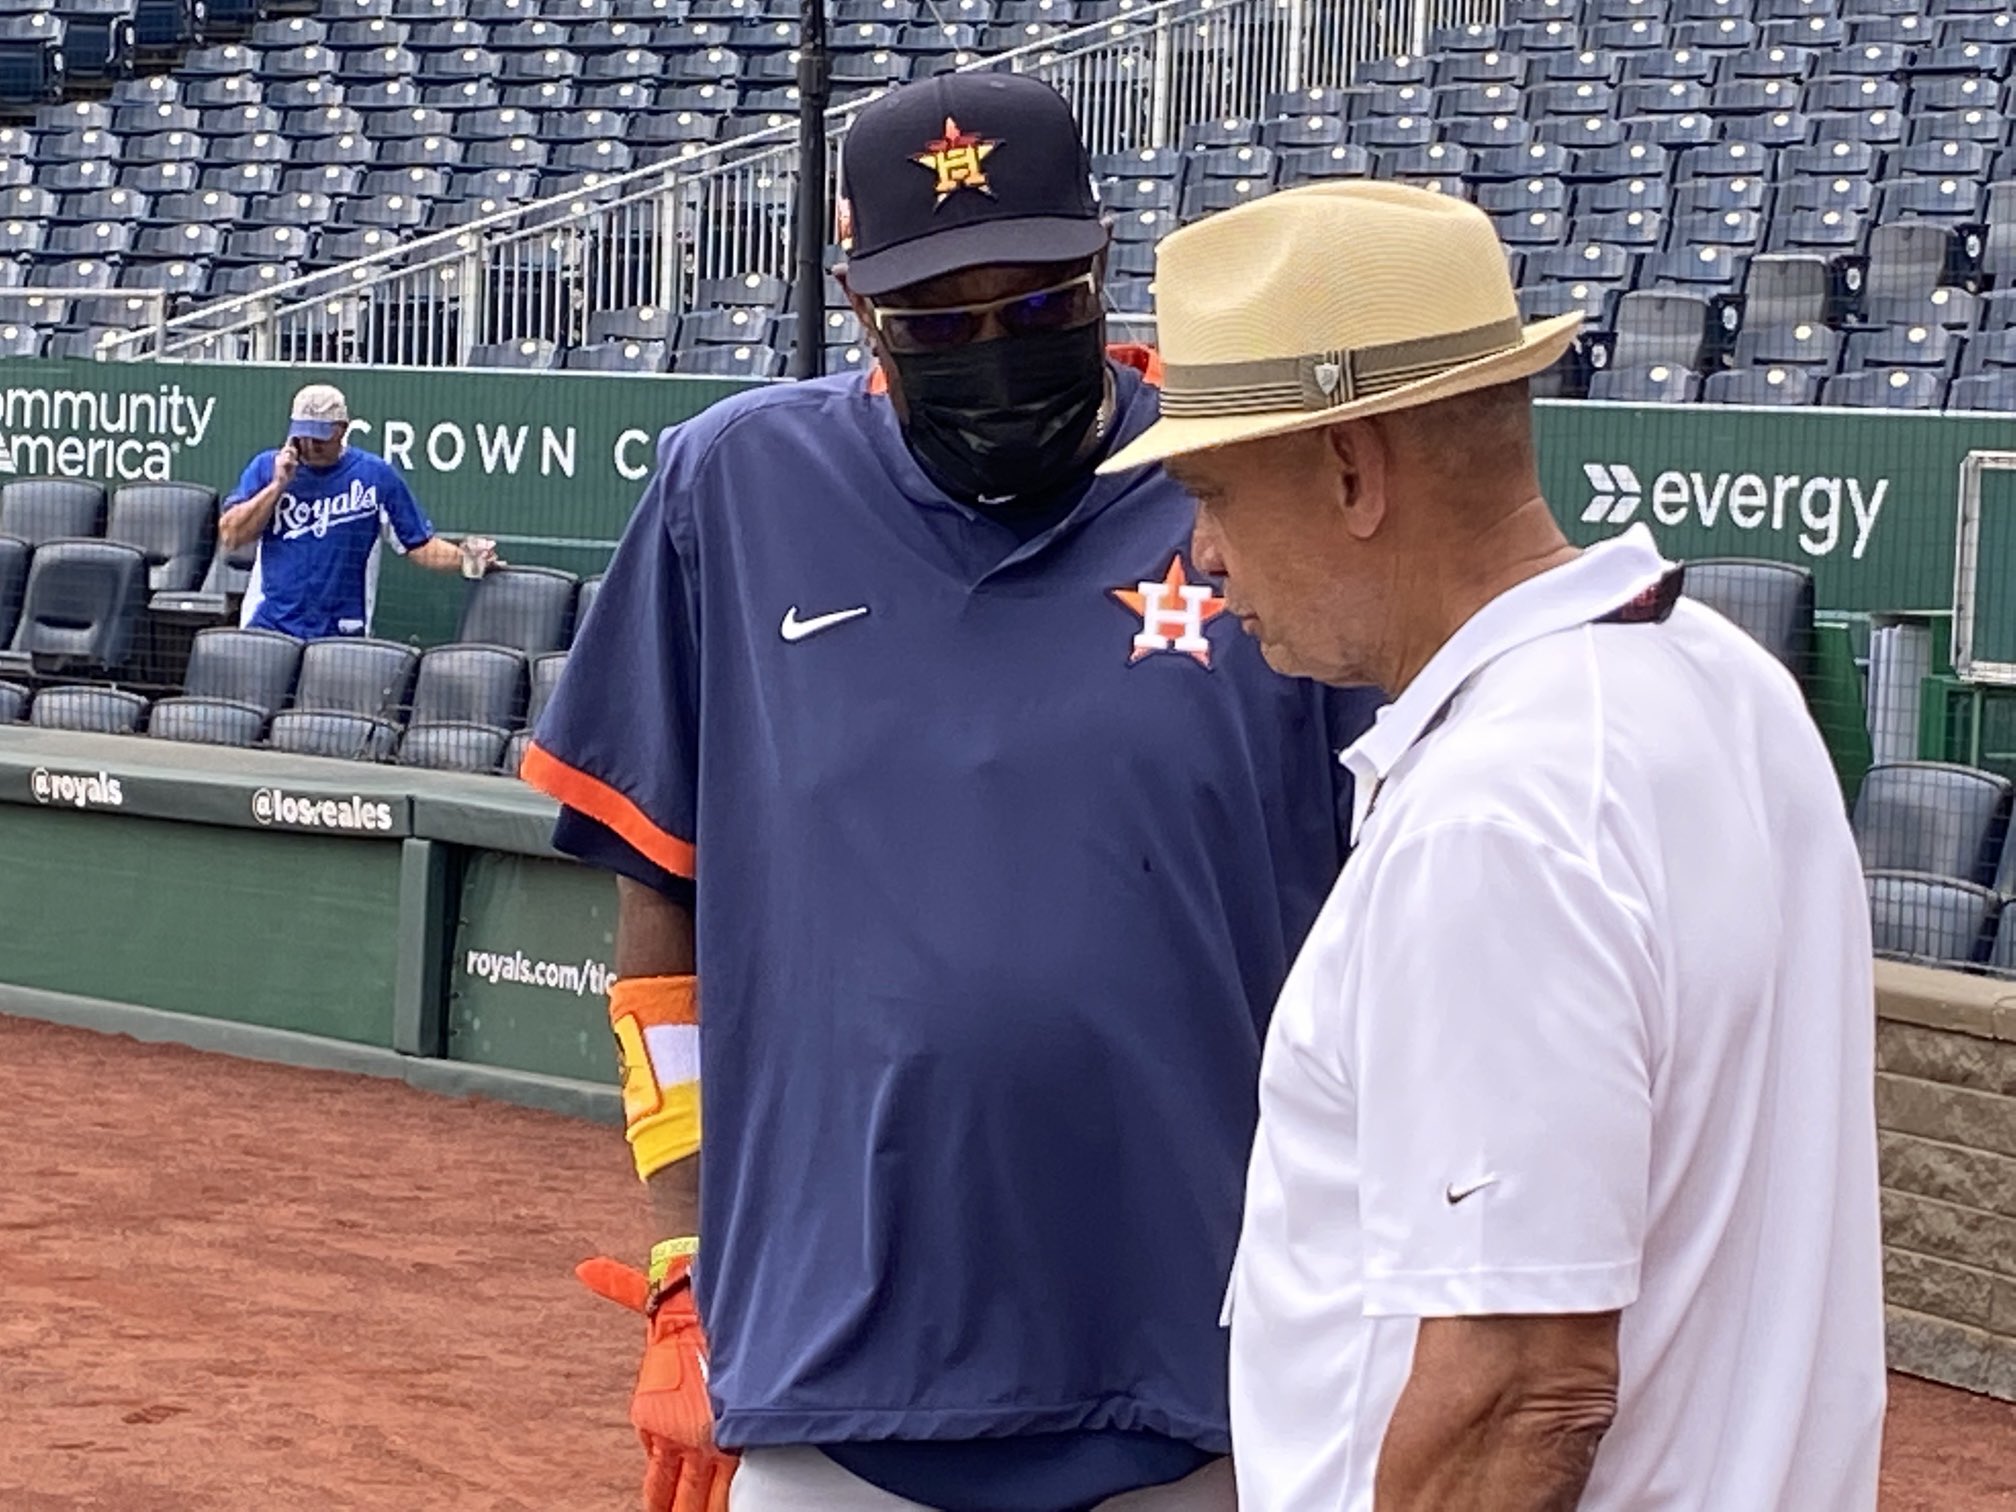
point(1941, 869)
point(463, 708)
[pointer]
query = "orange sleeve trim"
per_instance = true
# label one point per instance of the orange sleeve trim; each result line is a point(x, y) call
point(602, 803)
point(655, 1000)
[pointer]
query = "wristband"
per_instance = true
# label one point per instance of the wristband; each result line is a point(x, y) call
point(668, 1252)
point(656, 1022)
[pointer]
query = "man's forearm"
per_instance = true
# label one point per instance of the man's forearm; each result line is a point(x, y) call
point(248, 520)
point(675, 1198)
point(654, 937)
point(437, 554)
point(1499, 1415)
point(1505, 1463)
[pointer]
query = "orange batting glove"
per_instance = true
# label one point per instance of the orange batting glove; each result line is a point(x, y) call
point(684, 1471)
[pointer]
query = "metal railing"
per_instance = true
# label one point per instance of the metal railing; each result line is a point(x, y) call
point(541, 273)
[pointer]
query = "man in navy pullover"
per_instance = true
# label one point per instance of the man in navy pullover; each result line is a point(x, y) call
point(962, 845)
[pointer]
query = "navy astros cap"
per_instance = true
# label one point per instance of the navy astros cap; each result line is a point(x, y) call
point(959, 171)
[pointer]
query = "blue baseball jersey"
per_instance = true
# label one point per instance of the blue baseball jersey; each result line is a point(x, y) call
point(1001, 850)
point(317, 568)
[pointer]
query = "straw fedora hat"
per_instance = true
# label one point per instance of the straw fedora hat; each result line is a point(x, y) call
point(1329, 303)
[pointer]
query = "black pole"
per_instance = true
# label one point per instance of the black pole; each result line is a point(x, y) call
point(808, 357)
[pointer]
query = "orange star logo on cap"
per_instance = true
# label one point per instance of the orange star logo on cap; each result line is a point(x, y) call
point(956, 159)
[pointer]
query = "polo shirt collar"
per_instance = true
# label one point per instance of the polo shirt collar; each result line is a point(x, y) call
point(1603, 578)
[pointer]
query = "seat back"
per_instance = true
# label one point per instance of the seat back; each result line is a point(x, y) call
point(13, 583)
point(356, 675)
point(514, 753)
point(48, 509)
point(1932, 817)
point(207, 721)
point(253, 667)
point(173, 524)
point(1935, 919)
point(322, 732)
point(546, 672)
point(530, 609)
point(1772, 602)
point(97, 711)
point(231, 569)
point(455, 746)
point(590, 589)
point(84, 602)
point(479, 684)
point(13, 702)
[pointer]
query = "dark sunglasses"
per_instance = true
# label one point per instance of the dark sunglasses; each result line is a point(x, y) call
point(1061, 307)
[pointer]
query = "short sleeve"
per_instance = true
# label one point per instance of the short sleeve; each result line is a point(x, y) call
point(258, 473)
point(409, 522)
point(619, 741)
point(1503, 1080)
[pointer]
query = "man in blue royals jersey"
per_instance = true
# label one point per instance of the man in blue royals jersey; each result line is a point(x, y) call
point(931, 766)
point(319, 508)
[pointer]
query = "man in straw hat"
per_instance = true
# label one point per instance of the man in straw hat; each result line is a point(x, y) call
point(1564, 1193)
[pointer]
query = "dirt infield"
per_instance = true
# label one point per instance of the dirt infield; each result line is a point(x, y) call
point(232, 1287)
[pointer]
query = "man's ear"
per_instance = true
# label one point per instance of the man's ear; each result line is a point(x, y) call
point(1359, 453)
point(863, 311)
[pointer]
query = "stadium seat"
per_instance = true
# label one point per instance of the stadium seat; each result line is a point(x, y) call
point(256, 668)
point(206, 721)
point(477, 684)
point(546, 672)
point(528, 609)
point(1885, 388)
point(1991, 392)
point(1932, 919)
point(1761, 386)
point(45, 509)
point(353, 737)
point(1652, 383)
point(1669, 326)
point(590, 588)
point(1907, 259)
point(13, 702)
point(1932, 817)
point(173, 524)
point(14, 554)
point(91, 710)
point(1814, 348)
point(1772, 602)
point(452, 747)
point(356, 675)
point(514, 753)
point(82, 606)
point(1903, 346)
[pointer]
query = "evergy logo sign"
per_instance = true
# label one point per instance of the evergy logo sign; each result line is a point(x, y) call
point(1822, 513)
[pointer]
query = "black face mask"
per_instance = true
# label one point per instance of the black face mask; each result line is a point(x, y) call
point(1005, 419)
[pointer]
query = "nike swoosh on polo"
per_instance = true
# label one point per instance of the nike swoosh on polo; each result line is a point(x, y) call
point(1456, 1194)
point(795, 629)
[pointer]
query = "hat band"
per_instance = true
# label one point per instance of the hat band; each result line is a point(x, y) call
point(1325, 380)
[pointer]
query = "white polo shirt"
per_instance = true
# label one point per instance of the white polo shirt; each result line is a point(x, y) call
point(1587, 1024)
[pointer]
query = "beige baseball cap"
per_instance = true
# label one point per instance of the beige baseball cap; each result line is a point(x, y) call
point(319, 411)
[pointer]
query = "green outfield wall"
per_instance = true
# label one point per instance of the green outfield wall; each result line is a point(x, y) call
point(557, 460)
